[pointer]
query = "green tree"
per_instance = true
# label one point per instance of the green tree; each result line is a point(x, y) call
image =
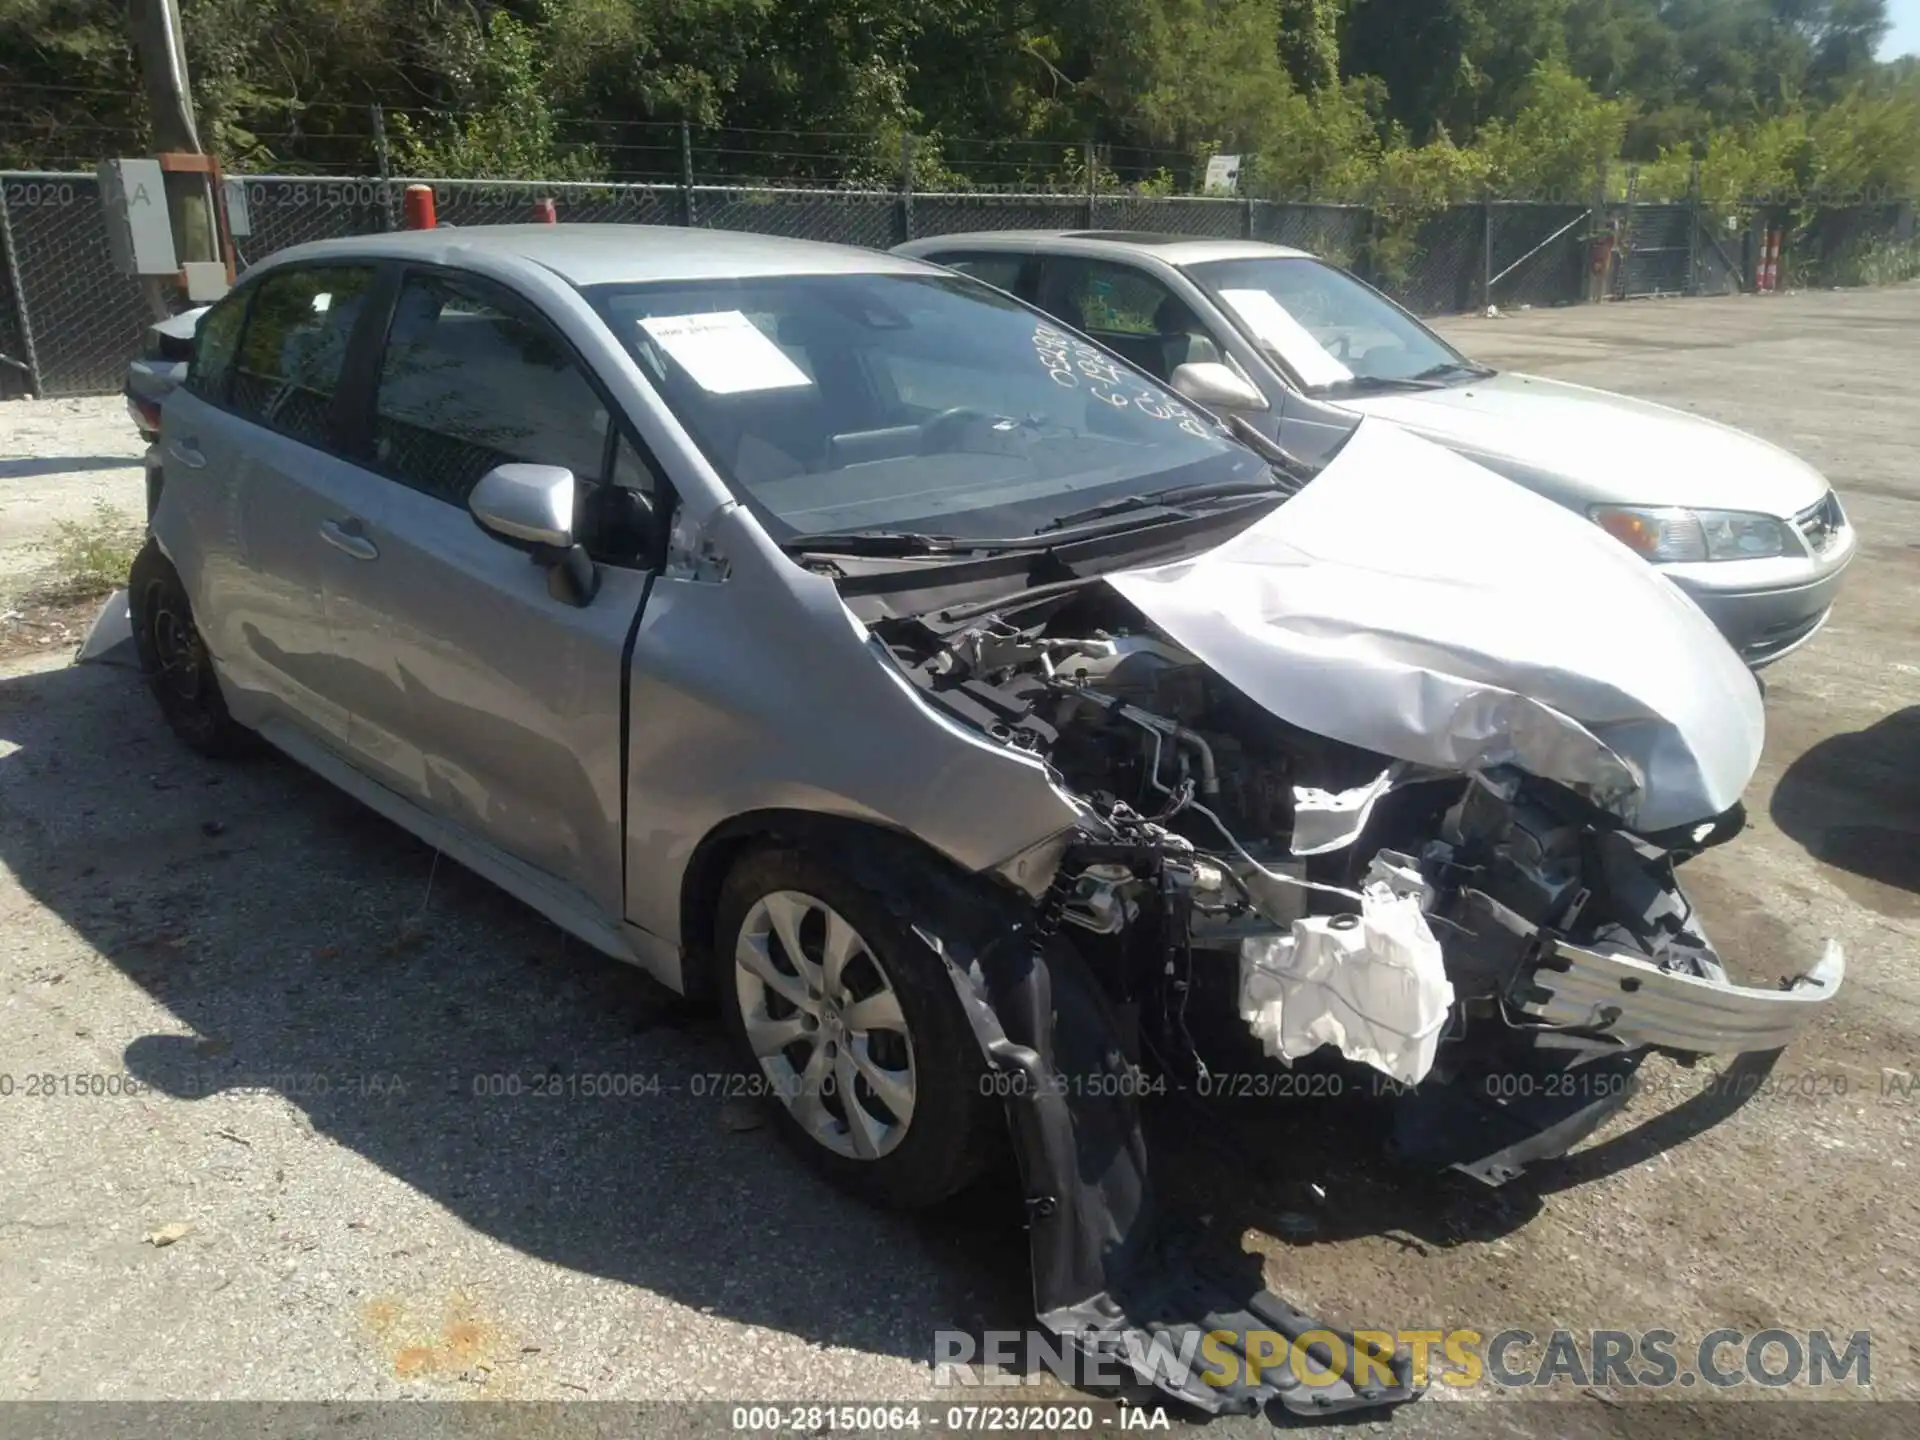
point(1310, 41)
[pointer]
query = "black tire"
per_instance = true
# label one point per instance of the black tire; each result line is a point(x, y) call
point(957, 1127)
point(174, 659)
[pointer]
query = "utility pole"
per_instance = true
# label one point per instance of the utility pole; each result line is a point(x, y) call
point(161, 47)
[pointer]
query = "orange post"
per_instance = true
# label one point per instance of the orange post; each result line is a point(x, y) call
point(417, 208)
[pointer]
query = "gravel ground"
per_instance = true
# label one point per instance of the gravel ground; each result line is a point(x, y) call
point(61, 458)
point(320, 1023)
point(73, 461)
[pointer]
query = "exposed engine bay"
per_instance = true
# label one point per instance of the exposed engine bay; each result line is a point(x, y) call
point(1349, 793)
point(1230, 853)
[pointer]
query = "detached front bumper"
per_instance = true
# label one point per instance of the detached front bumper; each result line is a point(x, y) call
point(1640, 1004)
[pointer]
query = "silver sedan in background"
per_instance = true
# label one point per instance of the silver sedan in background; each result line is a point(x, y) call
point(1755, 535)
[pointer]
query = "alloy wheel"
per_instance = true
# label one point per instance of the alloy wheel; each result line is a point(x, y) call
point(823, 1020)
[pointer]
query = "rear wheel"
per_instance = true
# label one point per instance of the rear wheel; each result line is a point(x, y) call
point(848, 1021)
point(174, 658)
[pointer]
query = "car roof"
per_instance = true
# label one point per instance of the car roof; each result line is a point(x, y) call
point(603, 254)
point(1176, 250)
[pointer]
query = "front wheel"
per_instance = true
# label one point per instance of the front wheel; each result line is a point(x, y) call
point(850, 1023)
point(174, 658)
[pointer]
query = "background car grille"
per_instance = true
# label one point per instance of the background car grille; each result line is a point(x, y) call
point(1820, 525)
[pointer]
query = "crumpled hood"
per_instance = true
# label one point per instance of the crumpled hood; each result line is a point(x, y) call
point(1602, 447)
point(1413, 603)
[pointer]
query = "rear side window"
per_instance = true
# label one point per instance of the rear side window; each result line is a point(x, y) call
point(471, 380)
point(1104, 299)
point(295, 346)
point(215, 340)
point(1000, 271)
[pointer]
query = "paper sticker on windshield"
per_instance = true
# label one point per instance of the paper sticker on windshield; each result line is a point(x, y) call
point(724, 352)
point(1269, 320)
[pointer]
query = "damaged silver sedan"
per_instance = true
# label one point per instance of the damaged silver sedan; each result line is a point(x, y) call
point(972, 719)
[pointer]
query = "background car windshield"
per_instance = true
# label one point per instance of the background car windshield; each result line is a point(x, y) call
point(906, 402)
point(1330, 329)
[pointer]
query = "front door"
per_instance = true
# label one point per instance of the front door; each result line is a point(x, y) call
point(1132, 313)
point(491, 702)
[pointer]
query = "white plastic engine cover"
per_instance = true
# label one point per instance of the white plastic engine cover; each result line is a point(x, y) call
point(1413, 603)
point(1372, 984)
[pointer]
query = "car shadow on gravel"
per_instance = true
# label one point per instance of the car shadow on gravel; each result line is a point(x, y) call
point(554, 1100)
point(561, 1103)
point(35, 466)
point(1853, 802)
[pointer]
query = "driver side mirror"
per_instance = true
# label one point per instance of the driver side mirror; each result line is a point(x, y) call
point(531, 507)
point(1216, 386)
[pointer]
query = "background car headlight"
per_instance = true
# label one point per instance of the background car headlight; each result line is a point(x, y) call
point(1672, 534)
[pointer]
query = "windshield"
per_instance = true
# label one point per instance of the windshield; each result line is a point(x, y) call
point(837, 403)
point(1333, 332)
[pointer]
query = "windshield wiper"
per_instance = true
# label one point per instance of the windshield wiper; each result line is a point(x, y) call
point(873, 542)
point(1363, 383)
point(1456, 367)
point(1172, 500)
point(1292, 471)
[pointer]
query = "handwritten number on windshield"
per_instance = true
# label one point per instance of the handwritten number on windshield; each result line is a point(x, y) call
point(1070, 362)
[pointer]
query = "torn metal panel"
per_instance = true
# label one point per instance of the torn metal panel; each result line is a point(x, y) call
point(1412, 603)
point(1325, 821)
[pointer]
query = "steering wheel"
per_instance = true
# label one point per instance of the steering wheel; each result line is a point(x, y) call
point(940, 431)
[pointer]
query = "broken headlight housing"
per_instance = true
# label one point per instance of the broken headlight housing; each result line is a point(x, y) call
point(1667, 534)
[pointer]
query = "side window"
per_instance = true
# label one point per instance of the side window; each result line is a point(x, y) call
point(631, 469)
point(215, 340)
point(1127, 310)
point(623, 523)
point(471, 380)
point(294, 346)
point(1000, 271)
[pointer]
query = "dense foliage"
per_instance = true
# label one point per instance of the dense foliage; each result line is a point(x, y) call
point(1409, 101)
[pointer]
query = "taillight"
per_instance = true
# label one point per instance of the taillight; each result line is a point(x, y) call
point(146, 414)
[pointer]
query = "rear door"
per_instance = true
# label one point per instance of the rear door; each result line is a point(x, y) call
point(483, 697)
point(270, 516)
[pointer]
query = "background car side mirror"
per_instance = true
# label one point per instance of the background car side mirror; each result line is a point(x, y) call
point(531, 506)
point(1216, 386)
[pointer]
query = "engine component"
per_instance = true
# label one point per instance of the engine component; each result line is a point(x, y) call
point(1373, 984)
point(1099, 902)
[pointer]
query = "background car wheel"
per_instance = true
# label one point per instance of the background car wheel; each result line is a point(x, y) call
point(174, 659)
point(851, 1023)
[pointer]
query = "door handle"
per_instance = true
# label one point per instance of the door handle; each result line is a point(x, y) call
point(348, 535)
point(186, 453)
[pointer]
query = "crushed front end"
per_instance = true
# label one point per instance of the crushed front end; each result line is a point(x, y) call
point(1441, 927)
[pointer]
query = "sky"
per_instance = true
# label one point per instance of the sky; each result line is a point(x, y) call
point(1904, 38)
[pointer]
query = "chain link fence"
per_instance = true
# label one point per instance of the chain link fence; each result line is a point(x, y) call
point(1537, 254)
point(69, 321)
point(1658, 248)
point(1432, 263)
point(79, 320)
point(1847, 244)
point(1338, 234)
